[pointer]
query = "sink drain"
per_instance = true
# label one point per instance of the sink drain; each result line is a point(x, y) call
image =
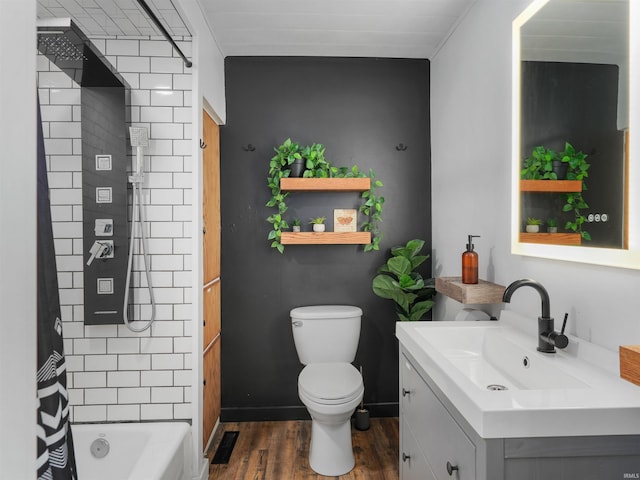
point(495, 386)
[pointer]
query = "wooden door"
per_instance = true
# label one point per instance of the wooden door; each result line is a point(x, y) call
point(211, 276)
point(211, 199)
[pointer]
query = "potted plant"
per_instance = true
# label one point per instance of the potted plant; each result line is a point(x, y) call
point(399, 281)
point(289, 155)
point(315, 164)
point(295, 225)
point(533, 225)
point(552, 225)
point(318, 224)
point(539, 165)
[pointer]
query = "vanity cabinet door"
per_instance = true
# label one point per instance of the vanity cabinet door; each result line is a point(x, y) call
point(413, 465)
point(437, 433)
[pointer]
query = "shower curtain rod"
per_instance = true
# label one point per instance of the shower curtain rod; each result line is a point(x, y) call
point(156, 20)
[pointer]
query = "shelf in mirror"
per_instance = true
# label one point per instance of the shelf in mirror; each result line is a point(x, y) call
point(551, 238)
point(550, 185)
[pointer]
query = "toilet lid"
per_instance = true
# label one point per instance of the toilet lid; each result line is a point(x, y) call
point(330, 382)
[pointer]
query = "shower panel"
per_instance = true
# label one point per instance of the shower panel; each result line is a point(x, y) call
point(104, 166)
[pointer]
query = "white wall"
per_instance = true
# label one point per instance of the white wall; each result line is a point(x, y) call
point(471, 135)
point(113, 374)
point(18, 239)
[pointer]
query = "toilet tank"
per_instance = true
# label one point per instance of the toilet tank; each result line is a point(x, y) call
point(326, 333)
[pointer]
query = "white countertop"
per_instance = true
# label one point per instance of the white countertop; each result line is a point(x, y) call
point(587, 398)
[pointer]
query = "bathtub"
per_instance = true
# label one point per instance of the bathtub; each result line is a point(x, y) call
point(131, 451)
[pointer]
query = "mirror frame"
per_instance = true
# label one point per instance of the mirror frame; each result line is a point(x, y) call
point(623, 258)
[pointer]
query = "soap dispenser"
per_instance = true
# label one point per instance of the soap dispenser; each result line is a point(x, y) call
point(470, 263)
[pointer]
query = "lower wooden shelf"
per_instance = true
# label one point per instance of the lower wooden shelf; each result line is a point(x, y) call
point(326, 238)
point(551, 238)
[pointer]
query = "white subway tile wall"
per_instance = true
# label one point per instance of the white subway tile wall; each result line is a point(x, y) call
point(113, 373)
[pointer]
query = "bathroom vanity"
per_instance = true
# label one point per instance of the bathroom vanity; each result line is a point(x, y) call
point(477, 401)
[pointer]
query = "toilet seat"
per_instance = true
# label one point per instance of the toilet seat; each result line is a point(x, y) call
point(330, 383)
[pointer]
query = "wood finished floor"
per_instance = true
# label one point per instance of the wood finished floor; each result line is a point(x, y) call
point(280, 451)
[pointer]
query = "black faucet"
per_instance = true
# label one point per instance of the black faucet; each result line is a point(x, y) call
point(548, 339)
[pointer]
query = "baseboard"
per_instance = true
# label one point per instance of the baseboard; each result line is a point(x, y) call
point(264, 414)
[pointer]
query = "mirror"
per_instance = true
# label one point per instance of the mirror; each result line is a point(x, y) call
point(572, 66)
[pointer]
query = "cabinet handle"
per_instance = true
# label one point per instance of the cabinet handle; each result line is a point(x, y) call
point(405, 392)
point(451, 468)
point(405, 457)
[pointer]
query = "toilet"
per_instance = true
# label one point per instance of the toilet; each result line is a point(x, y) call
point(326, 339)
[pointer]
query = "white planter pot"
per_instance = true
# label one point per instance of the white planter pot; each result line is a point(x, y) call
point(318, 227)
point(533, 228)
point(552, 229)
point(295, 228)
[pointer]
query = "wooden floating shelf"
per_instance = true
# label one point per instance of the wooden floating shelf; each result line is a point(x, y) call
point(326, 238)
point(359, 184)
point(481, 292)
point(550, 185)
point(551, 238)
point(630, 363)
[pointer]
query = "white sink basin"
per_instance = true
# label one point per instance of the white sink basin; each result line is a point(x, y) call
point(490, 358)
point(493, 375)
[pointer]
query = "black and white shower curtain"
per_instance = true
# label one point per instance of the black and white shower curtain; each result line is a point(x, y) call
point(56, 460)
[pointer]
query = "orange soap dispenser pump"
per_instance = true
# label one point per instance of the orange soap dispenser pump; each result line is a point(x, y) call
point(470, 263)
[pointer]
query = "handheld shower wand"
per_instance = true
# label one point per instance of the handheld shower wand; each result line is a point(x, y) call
point(139, 139)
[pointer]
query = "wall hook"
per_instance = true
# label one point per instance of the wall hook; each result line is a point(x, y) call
point(401, 147)
point(249, 148)
point(202, 144)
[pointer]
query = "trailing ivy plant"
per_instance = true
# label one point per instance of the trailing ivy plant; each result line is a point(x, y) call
point(578, 169)
point(539, 165)
point(317, 166)
point(280, 167)
point(399, 281)
point(372, 208)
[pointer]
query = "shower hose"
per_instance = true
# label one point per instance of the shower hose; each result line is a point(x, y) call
point(138, 210)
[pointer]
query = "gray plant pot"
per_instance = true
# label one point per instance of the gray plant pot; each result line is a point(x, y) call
point(297, 168)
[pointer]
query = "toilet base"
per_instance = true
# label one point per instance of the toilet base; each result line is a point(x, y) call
point(331, 451)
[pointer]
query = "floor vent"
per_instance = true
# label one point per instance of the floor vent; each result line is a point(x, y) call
point(225, 448)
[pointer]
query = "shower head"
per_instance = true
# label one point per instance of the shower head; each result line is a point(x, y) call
point(65, 45)
point(139, 136)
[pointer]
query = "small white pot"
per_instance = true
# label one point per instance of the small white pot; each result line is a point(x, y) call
point(533, 228)
point(552, 229)
point(318, 227)
point(295, 228)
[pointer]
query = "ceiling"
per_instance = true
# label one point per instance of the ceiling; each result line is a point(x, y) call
point(351, 28)
point(108, 18)
point(593, 31)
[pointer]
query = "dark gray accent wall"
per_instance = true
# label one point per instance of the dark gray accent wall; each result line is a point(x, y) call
point(360, 109)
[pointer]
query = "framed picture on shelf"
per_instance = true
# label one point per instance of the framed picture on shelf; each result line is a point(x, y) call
point(345, 220)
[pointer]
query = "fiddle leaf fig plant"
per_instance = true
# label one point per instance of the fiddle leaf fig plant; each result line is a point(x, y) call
point(399, 281)
point(317, 166)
